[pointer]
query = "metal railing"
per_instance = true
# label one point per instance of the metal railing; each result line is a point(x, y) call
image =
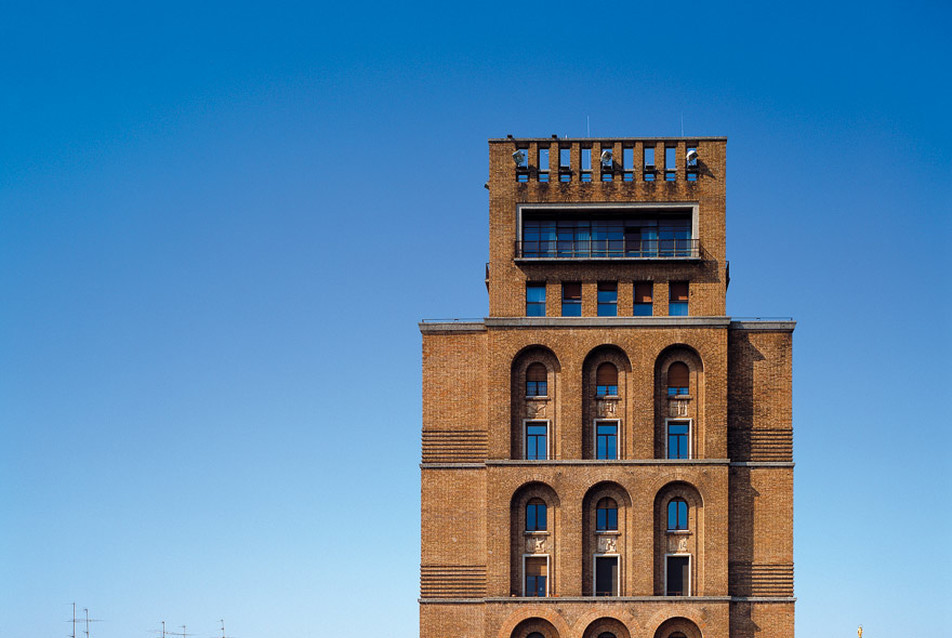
point(608, 249)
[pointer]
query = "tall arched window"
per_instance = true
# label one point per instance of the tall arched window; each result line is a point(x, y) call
point(606, 380)
point(678, 378)
point(606, 634)
point(677, 514)
point(536, 385)
point(536, 515)
point(606, 515)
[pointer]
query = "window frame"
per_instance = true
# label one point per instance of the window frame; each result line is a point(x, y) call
point(572, 303)
point(635, 304)
point(525, 577)
point(595, 558)
point(526, 509)
point(607, 530)
point(609, 286)
point(525, 446)
point(690, 450)
point(618, 442)
point(536, 304)
point(527, 382)
point(607, 386)
point(687, 515)
point(686, 303)
point(677, 555)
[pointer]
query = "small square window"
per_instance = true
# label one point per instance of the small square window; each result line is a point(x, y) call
point(643, 306)
point(678, 299)
point(607, 299)
point(572, 299)
point(535, 299)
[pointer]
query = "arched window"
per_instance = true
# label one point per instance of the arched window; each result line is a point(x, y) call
point(606, 515)
point(677, 634)
point(535, 634)
point(677, 514)
point(606, 634)
point(536, 385)
point(606, 380)
point(536, 515)
point(678, 378)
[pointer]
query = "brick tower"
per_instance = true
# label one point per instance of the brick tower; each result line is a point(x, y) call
point(607, 454)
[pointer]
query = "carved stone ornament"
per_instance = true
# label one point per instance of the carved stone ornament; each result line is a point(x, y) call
point(607, 544)
point(683, 544)
point(535, 545)
point(605, 408)
point(678, 407)
point(535, 409)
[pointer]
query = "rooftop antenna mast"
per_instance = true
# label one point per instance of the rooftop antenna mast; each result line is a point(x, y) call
point(73, 635)
point(87, 621)
point(223, 629)
point(182, 633)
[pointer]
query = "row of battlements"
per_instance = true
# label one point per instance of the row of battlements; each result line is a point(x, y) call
point(607, 159)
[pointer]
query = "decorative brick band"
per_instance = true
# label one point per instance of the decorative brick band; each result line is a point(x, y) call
point(452, 581)
point(751, 579)
point(448, 446)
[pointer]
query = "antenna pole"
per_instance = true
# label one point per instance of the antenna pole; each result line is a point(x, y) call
point(73, 635)
point(86, 612)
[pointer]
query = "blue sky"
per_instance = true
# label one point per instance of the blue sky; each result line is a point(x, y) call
point(219, 225)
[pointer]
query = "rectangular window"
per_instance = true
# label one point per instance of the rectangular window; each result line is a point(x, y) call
point(606, 440)
point(628, 163)
point(606, 575)
point(670, 152)
point(543, 164)
point(537, 440)
point(643, 304)
point(586, 164)
point(535, 299)
point(537, 570)
point(678, 440)
point(677, 575)
point(678, 298)
point(607, 299)
point(571, 299)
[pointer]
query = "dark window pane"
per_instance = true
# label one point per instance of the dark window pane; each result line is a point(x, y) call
point(606, 575)
point(677, 576)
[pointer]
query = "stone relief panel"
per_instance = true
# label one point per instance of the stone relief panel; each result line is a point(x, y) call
point(535, 544)
point(536, 409)
point(607, 545)
point(678, 407)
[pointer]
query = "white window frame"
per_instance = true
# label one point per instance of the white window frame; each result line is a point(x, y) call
point(548, 572)
point(690, 571)
point(618, 439)
point(548, 438)
point(595, 573)
point(690, 423)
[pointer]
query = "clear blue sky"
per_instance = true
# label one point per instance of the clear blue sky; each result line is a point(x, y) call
point(220, 223)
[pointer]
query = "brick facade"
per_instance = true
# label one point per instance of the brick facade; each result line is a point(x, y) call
point(667, 511)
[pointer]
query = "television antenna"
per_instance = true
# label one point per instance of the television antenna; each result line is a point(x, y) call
point(182, 633)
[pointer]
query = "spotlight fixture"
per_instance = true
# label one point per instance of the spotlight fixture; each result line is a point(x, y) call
point(607, 157)
point(519, 157)
point(692, 155)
